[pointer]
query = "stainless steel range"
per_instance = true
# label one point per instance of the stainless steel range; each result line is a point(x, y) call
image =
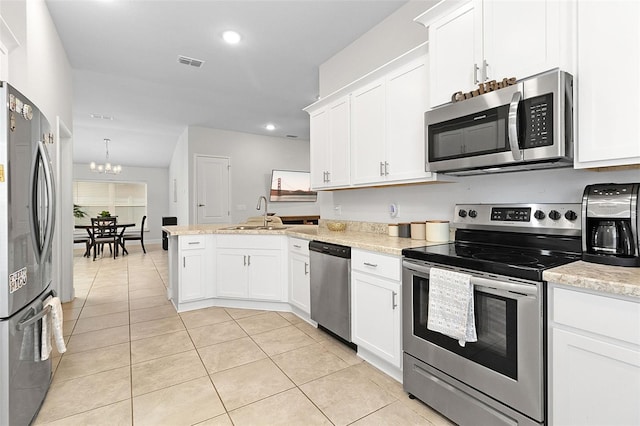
point(500, 378)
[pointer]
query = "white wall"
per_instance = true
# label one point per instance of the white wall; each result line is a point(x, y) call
point(178, 184)
point(392, 37)
point(252, 159)
point(157, 194)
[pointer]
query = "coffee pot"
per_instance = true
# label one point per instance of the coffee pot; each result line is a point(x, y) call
point(610, 224)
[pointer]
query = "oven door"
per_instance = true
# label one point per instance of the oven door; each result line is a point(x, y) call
point(507, 362)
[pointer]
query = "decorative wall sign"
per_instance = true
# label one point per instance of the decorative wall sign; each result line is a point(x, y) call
point(483, 88)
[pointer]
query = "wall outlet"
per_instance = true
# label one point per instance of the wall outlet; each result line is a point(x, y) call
point(241, 207)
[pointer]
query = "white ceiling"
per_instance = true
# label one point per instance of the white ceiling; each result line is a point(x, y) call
point(124, 59)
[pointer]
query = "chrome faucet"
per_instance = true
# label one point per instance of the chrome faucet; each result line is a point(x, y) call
point(262, 197)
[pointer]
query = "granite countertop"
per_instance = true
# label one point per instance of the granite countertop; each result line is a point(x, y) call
point(373, 241)
point(618, 280)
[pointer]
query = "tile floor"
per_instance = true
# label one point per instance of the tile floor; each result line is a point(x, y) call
point(132, 359)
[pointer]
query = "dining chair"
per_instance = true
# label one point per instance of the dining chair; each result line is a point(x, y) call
point(104, 231)
point(134, 237)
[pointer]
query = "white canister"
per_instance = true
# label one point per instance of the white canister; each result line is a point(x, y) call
point(418, 230)
point(393, 230)
point(437, 231)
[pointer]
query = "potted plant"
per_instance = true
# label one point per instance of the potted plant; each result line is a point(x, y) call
point(104, 213)
point(78, 212)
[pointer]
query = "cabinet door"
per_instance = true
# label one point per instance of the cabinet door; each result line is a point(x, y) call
point(299, 290)
point(231, 273)
point(319, 135)
point(406, 105)
point(368, 133)
point(593, 382)
point(192, 275)
point(339, 143)
point(265, 278)
point(375, 316)
point(520, 39)
point(608, 66)
point(455, 44)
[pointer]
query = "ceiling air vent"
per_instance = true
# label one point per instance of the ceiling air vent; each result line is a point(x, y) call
point(185, 60)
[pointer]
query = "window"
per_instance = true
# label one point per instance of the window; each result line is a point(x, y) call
point(126, 200)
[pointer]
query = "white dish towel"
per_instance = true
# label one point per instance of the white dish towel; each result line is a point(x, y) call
point(52, 325)
point(451, 305)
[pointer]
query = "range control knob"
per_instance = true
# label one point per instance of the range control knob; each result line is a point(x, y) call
point(554, 214)
point(462, 213)
point(539, 214)
point(570, 215)
point(473, 213)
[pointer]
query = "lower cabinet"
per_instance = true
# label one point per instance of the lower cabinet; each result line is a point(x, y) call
point(250, 266)
point(375, 305)
point(299, 279)
point(594, 364)
point(194, 258)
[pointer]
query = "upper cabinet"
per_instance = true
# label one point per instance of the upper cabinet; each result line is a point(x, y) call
point(491, 40)
point(371, 132)
point(607, 85)
point(387, 138)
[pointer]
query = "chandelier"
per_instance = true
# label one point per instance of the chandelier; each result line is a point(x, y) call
point(106, 167)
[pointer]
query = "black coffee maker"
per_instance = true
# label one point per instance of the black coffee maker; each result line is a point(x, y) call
point(610, 224)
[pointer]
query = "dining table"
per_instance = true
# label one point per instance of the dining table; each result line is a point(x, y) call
point(120, 229)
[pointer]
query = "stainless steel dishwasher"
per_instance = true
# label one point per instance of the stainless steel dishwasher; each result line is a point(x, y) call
point(331, 287)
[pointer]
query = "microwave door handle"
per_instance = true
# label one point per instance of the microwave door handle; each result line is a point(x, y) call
point(513, 126)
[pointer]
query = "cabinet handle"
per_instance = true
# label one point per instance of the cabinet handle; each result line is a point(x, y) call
point(485, 69)
point(297, 246)
point(475, 74)
point(306, 268)
point(194, 242)
point(393, 300)
point(386, 168)
point(244, 260)
point(249, 260)
point(201, 205)
point(381, 168)
point(373, 265)
point(184, 262)
point(328, 177)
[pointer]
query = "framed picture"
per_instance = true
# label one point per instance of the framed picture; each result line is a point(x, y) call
point(289, 185)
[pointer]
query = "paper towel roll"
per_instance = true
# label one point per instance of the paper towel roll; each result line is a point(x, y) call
point(437, 231)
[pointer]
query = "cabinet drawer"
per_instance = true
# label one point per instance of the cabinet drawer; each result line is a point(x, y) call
point(297, 245)
point(616, 318)
point(190, 242)
point(274, 242)
point(375, 263)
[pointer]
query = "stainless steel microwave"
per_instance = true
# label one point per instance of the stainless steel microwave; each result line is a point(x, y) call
point(525, 126)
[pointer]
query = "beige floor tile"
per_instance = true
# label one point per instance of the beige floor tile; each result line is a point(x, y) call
point(291, 317)
point(249, 383)
point(425, 411)
point(287, 408)
point(70, 397)
point(222, 420)
point(93, 361)
point(104, 309)
point(346, 396)
point(71, 313)
point(282, 340)
point(202, 317)
point(118, 414)
point(171, 370)
point(150, 314)
point(315, 333)
point(142, 293)
point(77, 302)
point(342, 351)
point(237, 313)
point(157, 327)
point(93, 300)
point(391, 415)
point(216, 333)
point(263, 322)
point(230, 354)
point(187, 403)
point(160, 346)
point(79, 342)
point(84, 325)
point(67, 327)
point(309, 363)
point(148, 302)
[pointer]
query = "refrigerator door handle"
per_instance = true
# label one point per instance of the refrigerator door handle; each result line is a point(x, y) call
point(24, 323)
point(51, 198)
point(41, 246)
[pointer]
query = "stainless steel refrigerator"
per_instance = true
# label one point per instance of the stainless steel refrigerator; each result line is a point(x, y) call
point(27, 206)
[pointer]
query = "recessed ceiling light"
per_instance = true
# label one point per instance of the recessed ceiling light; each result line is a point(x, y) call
point(270, 127)
point(231, 37)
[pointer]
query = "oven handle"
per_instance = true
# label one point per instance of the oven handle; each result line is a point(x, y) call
point(527, 289)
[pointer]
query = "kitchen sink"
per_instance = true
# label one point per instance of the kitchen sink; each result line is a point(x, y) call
point(254, 227)
point(272, 227)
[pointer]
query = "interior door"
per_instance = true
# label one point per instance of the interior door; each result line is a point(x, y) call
point(212, 189)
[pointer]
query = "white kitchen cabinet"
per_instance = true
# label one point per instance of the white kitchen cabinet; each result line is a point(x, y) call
point(329, 145)
point(594, 362)
point(607, 84)
point(491, 40)
point(375, 305)
point(250, 267)
point(387, 118)
point(194, 276)
point(299, 279)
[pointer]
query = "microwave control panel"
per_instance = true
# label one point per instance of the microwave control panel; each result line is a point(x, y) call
point(537, 117)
